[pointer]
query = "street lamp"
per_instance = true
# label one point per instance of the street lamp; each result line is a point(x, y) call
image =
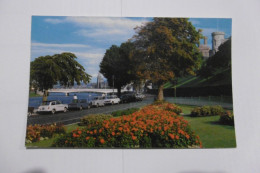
point(113, 83)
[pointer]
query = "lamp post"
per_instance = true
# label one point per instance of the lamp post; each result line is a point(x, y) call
point(113, 84)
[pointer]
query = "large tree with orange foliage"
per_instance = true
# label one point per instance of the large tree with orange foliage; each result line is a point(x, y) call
point(166, 48)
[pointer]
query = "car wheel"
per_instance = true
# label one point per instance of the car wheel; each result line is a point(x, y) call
point(65, 109)
point(53, 111)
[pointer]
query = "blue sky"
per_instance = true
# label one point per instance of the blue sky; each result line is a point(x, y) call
point(89, 37)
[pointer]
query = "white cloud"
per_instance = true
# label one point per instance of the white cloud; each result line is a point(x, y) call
point(60, 45)
point(54, 21)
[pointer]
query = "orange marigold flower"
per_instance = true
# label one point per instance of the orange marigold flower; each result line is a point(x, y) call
point(102, 141)
point(187, 136)
point(172, 136)
point(74, 135)
point(134, 137)
point(100, 130)
point(79, 132)
point(162, 133)
point(87, 138)
point(120, 128)
point(95, 131)
point(91, 132)
point(113, 133)
point(177, 137)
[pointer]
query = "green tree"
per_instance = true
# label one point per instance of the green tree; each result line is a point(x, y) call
point(63, 68)
point(166, 48)
point(116, 65)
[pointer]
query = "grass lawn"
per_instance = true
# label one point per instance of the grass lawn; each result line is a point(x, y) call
point(32, 94)
point(211, 133)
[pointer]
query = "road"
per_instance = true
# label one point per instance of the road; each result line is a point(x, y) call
point(74, 116)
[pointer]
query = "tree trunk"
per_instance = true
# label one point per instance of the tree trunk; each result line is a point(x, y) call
point(119, 91)
point(160, 92)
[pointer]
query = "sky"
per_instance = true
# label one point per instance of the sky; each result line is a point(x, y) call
point(89, 37)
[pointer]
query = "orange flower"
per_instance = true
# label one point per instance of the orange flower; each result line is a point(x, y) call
point(95, 131)
point(187, 136)
point(113, 133)
point(162, 133)
point(120, 128)
point(91, 132)
point(102, 141)
point(100, 130)
point(134, 137)
point(177, 137)
point(74, 135)
point(79, 132)
point(87, 138)
point(172, 136)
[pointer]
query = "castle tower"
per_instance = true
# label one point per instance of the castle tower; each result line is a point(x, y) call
point(204, 49)
point(217, 39)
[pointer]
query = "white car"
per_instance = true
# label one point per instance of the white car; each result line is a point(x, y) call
point(113, 99)
point(52, 106)
point(98, 101)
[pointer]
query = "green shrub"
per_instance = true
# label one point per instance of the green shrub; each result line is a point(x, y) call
point(207, 111)
point(92, 119)
point(216, 110)
point(124, 112)
point(227, 118)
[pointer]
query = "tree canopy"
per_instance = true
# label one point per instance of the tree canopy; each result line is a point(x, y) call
point(117, 66)
point(166, 48)
point(63, 68)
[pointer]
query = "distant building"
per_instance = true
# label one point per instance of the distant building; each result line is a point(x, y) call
point(218, 38)
point(100, 81)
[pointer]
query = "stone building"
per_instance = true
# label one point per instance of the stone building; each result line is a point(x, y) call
point(204, 49)
point(218, 38)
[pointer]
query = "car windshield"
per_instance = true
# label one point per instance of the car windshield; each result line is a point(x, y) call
point(45, 103)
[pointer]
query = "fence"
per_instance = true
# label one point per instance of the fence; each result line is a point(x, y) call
point(224, 101)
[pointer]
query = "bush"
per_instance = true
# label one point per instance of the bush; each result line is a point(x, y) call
point(227, 118)
point(207, 111)
point(151, 127)
point(36, 132)
point(124, 112)
point(92, 119)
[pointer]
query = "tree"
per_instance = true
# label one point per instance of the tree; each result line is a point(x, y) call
point(116, 65)
point(63, 68)
point(166, 48)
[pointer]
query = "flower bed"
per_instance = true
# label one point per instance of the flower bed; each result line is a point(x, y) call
point(227, 118)
point(154, 126)
point(37, 132)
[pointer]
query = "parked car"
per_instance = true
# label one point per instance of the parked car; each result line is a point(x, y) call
point(126, 98)
point(52, 106)
point(139, 97)
point(113, 99)
point(98, 101)
point(79, 104)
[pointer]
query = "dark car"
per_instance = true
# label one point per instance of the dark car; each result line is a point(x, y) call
point(126, 98)
point(79, 104)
